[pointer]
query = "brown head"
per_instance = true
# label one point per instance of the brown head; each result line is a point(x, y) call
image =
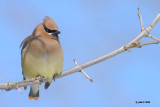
point(47, 28)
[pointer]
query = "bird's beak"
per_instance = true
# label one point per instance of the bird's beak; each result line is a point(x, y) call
point(58, 32)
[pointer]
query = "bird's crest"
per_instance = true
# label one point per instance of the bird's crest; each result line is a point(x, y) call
point(50, 23)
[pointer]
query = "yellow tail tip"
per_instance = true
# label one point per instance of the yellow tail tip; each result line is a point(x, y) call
point(35, 98)
point(30, 97)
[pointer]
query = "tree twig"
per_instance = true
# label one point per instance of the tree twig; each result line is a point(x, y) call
point(12, 85)
point(149, 43)
point(18, 89)
point(152, 37)
point(140, 17)
point(83, 71)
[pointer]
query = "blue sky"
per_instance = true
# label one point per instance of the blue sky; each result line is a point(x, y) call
point(89, 29)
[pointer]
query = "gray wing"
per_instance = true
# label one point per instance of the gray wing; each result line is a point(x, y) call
point(23, 45)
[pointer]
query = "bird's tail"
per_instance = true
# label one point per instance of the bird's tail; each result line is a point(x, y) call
point(34, 91)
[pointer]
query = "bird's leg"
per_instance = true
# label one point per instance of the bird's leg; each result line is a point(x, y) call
point(24, 78)
point(54, 76)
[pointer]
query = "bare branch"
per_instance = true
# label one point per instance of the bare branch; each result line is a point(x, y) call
point(140, 18)
point(12, 85)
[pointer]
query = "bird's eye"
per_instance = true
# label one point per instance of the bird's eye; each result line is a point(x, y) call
point(51, 31)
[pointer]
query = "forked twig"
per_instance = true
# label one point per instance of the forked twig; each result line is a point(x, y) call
point(83, 71)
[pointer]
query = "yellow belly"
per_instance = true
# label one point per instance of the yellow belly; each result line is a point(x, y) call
point(33, 67)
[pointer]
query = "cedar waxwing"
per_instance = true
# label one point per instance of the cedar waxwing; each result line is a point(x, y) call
point(42, 55)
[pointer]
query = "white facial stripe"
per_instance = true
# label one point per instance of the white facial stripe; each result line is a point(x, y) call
point(50, 33)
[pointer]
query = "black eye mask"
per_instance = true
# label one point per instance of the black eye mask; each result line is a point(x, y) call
point(53, 32)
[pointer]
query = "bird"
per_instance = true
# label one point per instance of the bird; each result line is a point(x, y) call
point(42, 55)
